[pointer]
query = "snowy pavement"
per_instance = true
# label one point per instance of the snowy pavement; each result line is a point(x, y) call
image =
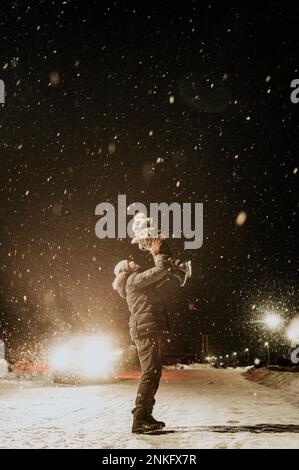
point(204, 408)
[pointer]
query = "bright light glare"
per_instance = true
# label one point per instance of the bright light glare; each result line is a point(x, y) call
point(293, 329)
point(272, 320)
point(87, 357)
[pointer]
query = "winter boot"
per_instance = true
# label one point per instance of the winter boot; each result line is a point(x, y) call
point(141, 426)
point(183, 272)
point(150, 419)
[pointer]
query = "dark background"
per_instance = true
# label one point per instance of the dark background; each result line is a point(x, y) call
point(87, 117)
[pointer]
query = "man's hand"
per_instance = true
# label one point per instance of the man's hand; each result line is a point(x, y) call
point(156, 244)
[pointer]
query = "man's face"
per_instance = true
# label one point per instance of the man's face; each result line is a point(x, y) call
point(133, 266)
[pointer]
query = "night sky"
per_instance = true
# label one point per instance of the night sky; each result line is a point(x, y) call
point(161, 101)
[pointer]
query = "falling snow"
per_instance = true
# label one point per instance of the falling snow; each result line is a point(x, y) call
point(160, 105)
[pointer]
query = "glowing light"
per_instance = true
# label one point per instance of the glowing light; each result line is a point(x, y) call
point(272, 320)
point(266, 344)
point(54, 78)
point(241, 218)
point(85, 357)
point(293, 329)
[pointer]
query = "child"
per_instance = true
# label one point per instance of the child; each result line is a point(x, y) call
point(145, 231)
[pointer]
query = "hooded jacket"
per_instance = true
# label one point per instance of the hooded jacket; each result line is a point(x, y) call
point(148, 313)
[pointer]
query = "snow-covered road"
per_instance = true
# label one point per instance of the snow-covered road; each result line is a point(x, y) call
point(36, 415)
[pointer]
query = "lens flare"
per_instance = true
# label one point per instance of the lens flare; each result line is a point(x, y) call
point(86, 357)
point(272, 320)
point(293, 329)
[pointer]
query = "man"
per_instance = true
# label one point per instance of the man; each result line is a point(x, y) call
point(148, 321)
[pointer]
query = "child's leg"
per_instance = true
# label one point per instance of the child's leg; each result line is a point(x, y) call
point(165, 249)
point(180, 270)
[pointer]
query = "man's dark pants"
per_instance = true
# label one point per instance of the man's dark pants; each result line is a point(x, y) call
point(149, 352)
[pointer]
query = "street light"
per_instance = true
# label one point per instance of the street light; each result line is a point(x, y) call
point(272, 320)
point(246, 351)
point(266, 344)
point(293, 331)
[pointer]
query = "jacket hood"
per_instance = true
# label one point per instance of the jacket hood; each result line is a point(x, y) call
point(121, 266)
point(119, 283)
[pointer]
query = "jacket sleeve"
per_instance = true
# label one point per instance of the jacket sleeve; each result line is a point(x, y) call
point(150, 276)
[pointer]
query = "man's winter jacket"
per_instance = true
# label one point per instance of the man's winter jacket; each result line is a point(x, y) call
point(148, 313)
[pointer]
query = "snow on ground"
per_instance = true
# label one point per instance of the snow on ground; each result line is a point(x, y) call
point(282, 379)
point(204, 408)
point(194, 365)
